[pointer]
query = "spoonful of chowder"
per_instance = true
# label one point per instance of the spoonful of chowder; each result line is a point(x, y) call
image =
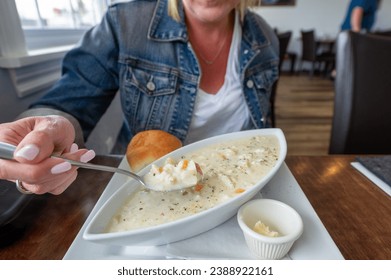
point(174, 175)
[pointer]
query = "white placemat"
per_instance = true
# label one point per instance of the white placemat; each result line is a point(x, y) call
point(378, 182)
point(225, 241)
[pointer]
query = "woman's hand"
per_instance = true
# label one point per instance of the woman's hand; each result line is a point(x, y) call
point(37, 138)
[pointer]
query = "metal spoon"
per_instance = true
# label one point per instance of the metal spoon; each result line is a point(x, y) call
point(7, 152)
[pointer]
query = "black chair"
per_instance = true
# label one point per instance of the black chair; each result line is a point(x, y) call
point(383, 33)
point(362, 105)
point(283, 39)
point(310, 53)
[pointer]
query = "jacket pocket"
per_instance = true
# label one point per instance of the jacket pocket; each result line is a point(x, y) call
point(150, 79)
point(264, 77)
point(148, 94)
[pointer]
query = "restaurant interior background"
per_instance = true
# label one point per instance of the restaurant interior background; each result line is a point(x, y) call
point(25, 75)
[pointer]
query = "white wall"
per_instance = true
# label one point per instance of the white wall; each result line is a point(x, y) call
point(325, 16)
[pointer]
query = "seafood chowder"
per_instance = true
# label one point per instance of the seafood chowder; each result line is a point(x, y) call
point(229, 169)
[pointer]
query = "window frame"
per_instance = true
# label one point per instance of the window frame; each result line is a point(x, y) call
point(16, 42)
point(32, 58)
point(49, 38)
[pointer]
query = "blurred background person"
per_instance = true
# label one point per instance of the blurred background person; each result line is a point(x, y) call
point(360, 15)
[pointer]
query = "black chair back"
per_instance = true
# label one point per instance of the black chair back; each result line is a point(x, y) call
point(308, 52)
point(311, 53)
point(283, 39)
point(362, 104)
point(383, 33)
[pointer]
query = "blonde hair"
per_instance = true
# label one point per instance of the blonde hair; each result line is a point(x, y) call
point(242, 6)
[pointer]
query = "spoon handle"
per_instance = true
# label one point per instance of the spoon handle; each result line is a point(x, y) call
point(102, 168)
point(7, 151)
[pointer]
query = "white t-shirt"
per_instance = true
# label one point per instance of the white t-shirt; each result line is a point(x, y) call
point(226, 111)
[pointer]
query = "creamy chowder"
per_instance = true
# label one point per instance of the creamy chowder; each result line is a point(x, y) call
point(229, 169)
point(173, 175)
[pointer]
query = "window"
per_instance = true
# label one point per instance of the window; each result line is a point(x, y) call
point(64, 14)
point(36, 34)
point(53, 23)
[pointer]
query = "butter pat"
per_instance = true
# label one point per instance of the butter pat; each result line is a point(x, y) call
point(263, 229)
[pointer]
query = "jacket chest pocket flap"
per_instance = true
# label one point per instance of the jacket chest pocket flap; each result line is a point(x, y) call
point(265, 78)
point(152, 81)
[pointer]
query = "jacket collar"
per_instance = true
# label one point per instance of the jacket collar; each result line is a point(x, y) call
point(253, 31)
point(165, 28)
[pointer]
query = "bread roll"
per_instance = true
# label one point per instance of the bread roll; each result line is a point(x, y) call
point(148, 146)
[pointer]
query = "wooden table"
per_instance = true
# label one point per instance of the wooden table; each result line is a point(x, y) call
point(325, 44)
point(356, 213)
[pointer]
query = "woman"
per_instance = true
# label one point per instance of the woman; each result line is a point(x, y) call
point(194, 68)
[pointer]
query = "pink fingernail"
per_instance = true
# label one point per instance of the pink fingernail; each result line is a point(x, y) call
point(74, 148)
point(28, 152)
point(61, 168)
point(87, 156)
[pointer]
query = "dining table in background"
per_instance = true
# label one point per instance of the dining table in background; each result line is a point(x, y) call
point(355, 212)
point(325, 44)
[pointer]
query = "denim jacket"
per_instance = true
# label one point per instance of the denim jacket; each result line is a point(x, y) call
point(144, 54)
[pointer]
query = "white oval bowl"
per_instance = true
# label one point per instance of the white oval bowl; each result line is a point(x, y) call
point(185, 227)
point(278, 216)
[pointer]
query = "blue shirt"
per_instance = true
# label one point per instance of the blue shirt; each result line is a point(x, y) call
point(369, 7)
point(139, 51)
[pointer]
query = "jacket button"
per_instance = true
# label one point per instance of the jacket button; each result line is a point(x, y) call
point(250, 84)
point(151, 86)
